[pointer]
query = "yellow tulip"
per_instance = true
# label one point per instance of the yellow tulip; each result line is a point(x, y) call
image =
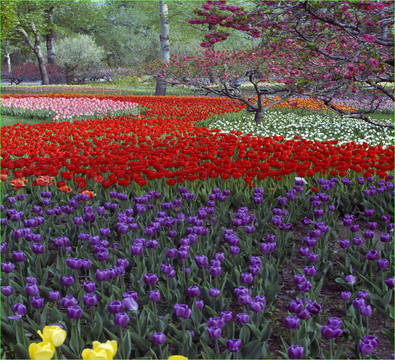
point(41, 351)
point(102, 351)
point(53, 334)
point(89, 354)
point(177, 357)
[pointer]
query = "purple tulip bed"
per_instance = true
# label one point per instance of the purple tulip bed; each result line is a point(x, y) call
point(284, 271)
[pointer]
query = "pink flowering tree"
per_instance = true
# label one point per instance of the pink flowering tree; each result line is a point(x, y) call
point(342, 46)
point(308, 48)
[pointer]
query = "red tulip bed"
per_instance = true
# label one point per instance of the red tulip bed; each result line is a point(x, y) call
point(173, 239)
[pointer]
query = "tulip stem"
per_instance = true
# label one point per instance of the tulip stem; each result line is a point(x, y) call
point(216, 346)
point(160, 352)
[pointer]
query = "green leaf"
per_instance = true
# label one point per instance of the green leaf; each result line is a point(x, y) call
point(97, 327)
point(141, 343)
point(208, 350)
point(245, 335)
point(126, 345)
point(255, 350)
point(21, 352)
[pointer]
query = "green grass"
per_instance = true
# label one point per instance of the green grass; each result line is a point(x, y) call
point(6, 120)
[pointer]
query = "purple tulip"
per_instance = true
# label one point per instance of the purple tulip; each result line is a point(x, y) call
point(90, 299)
point(295, 352)
point(330, 332)
point(372, 255)
point(358, 302)
point(67, 281)
point(19, 309)
point(344, 244)
point(291, 322)
point(37, 302)
point(227, 316)
point(171, 253)
point(242, 318)
point(369, 212)
point(182, 311)
point(295, 307)
point(215, 271)
point(335, 322)
point(214, 332)
point(357, 241)
point(390, 282)
point(150, 279)
point(154, 295)
point(38, 248)
point(304, 314)
point(304, 251)
point(247, 278)
point(89, 286)
point(385, 237)
point(233, 345)
point(18, 256)
point(199, 304)
point(310, 270)
point(216, 322)
point(350, 279)
point(368, 344)
point(299, 278)
point(214, 292)
point(121, 319)
point(31, 280)
point(363, 295)
point(74, 312)
point(365, 310)
point(158, 338)
point(304, 286)
point(314, 308)
point(7, 267)
point(31, 289)
point(69, 301)
point(193, 291)
point(115, 307)
point(73, 263)
point(257, 306)
point(6, 290)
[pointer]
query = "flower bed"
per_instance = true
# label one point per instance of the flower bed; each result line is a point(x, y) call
point(314, 127)
point(181, 255)
point(61, 109)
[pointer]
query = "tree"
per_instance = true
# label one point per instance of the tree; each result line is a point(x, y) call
point(8, 18)
point(164, 46)
point(34, 18)
point(336, 46)
point(79, 56)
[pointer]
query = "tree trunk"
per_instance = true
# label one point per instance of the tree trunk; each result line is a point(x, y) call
point(164, 45)
point(50, 39)
point(41, 65)
point(259, 116)
point(51, 54)
point(211, 77)
point(8, 57)
point(36, 47)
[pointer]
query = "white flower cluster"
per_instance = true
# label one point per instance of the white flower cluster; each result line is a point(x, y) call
point(310, 127)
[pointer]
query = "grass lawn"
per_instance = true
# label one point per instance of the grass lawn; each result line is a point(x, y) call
point(6, 120)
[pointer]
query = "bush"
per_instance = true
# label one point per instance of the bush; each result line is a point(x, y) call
point(31, 72)
point(80, 58)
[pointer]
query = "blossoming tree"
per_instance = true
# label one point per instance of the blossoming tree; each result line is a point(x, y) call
point(312, 48)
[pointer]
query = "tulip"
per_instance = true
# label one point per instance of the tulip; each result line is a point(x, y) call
point(53, 334)
point(177, 357)
point(295, 352)
point(104, 351)
point(233, 345)
point(41, 351)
